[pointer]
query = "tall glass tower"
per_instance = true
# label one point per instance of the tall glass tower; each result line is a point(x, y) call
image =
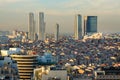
point(78, 27)
point(41, 28)
point(56, 32)
point(91, 24)
point(31, 27)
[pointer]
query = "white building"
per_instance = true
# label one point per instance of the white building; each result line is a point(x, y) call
point(10, 51)
point(94, 36)
point(44, 73)
point(56, 75)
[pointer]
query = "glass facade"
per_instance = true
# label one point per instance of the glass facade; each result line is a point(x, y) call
point(91, 24)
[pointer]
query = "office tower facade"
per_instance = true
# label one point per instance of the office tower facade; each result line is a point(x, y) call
point(78, 27)
point(56, 32)
point(91, 24)
point(31, 27)
point(41, 28)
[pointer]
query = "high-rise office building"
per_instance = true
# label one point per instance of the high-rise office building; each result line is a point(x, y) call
point(41, 28)
point(56, 32)
point(85, 20)
point(91, 24)
point(78, 27)
point(31, 27)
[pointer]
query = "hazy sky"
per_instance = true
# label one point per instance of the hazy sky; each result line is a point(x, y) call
point(14, 13)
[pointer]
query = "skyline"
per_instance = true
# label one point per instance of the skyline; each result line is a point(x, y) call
point(14, 13)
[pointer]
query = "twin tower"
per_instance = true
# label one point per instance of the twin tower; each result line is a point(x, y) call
point(41, 28)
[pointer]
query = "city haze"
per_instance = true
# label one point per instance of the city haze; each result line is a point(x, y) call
point(14, 13)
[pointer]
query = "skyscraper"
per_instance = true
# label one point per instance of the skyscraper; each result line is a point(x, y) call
point(41, 28)
point(78, 26)
point(91, 24)
point(85, 20)
point(56, 32)
point(31, 27)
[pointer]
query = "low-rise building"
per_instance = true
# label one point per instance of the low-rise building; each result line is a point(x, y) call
point(10, 51)
point(46, 73)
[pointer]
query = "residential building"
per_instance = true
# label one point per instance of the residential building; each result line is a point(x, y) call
point(26, 65)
